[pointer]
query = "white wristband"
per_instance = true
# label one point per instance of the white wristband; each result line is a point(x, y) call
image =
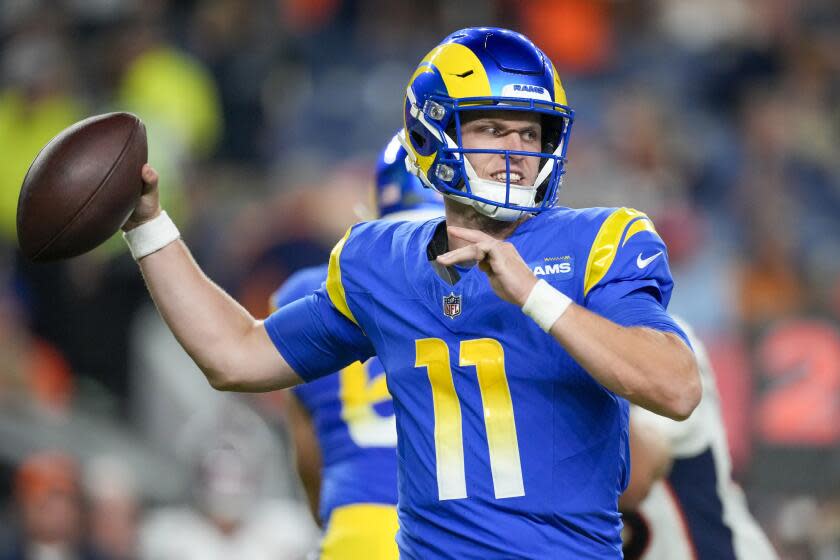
point(151, 236)
point(545, 304)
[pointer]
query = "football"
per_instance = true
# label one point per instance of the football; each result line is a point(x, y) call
point(81, 187)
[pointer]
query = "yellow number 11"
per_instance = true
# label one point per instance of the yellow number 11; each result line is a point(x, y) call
point(488, 357)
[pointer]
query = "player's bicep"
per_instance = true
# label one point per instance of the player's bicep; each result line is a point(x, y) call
point(252, 365)
point(314, 338)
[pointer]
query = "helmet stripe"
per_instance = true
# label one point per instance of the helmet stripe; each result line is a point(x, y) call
point(423, 162)
point(559, 92)
point(461, 71)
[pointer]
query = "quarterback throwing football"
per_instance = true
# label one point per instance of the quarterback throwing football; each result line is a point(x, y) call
point(514, 332)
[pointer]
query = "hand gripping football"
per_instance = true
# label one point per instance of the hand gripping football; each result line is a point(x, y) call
point(82, 187)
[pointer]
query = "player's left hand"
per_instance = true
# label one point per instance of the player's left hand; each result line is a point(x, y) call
point(509, 276)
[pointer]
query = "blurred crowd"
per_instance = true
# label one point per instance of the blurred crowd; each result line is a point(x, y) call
point(720, 119)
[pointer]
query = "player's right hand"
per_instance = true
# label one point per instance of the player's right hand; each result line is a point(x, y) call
point(148, 206)
point(509, 276)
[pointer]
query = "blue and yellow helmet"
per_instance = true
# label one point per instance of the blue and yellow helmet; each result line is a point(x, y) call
point(485, 69)
point(400, 195)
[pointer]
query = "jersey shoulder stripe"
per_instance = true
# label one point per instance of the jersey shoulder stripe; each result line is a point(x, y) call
point(615, 231)
point(369, 256)
point(335, 286)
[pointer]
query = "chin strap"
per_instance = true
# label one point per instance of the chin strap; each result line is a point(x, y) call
point(496, 191)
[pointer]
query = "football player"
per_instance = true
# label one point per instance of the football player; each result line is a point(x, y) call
point(343, 425)
point(697, 511)
point(514, 332)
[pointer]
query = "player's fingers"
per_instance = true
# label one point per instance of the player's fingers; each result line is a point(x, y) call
point(150, 177)
point(471, 235)
point(470, 253)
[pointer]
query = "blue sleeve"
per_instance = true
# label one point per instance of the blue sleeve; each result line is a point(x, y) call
point(300, 284)
point(627, 278)
point(638, 308)
point(627, 255)
point(315, 338)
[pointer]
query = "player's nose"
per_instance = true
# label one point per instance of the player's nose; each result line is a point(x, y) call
point(513, 142)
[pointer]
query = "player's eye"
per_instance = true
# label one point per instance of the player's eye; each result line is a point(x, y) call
point(530, 135)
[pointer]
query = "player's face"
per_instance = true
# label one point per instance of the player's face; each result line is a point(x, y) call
point(503, 130)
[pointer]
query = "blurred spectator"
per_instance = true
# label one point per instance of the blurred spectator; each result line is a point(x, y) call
point(236, 41)
point(808, 528)
point(114, 508)
point(51, 508)
point(83, 307)
point(178, 100)
point(172, 91)
point(228, 515)
point(33, 370)
point(306, 15)
point(703, 26)
point(586, 42)
point(767, 207)
point(36, 103)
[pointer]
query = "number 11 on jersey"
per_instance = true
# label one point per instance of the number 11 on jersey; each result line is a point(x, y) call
point(487, 356)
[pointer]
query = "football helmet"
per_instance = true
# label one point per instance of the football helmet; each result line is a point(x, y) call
point(400, 195)
point(485, 69)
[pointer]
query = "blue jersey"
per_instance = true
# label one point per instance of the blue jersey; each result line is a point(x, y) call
point(507, 447)
point(353, 416)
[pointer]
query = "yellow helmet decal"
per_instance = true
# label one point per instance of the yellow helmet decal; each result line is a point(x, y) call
point(424, 162)
point(559, 92)
point(462, 74)
point(461, 70)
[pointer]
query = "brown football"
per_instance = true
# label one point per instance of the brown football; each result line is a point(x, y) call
point(82, 187)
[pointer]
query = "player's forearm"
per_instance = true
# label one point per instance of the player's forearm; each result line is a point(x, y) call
point(220, 335)
point(653, 369)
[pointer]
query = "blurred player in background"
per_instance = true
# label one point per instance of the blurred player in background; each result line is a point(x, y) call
point(229, 514)
point(697, 511)
point(507, 377)
point(343, 425)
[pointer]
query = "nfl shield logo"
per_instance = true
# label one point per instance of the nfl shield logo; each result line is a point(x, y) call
point(452, 305)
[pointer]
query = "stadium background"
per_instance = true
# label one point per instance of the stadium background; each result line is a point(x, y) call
point(721, 119)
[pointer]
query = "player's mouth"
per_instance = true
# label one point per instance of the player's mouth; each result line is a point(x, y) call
point(502, 177)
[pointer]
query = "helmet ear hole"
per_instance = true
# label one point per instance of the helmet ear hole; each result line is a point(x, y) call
point(450, 131)
point(552, 131)
point(541, 192)
point(418, 139)
point(421, 139)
